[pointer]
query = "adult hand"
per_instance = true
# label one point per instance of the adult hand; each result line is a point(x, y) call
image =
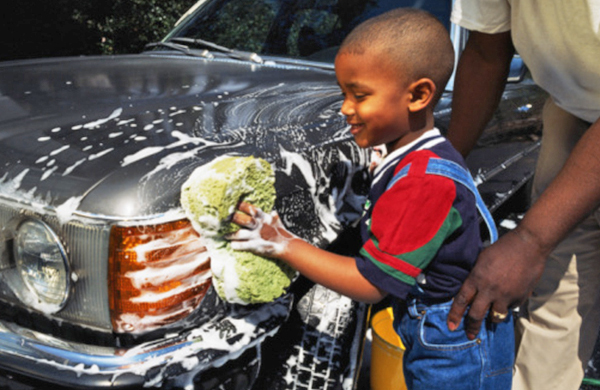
point(261, 233)
point(503, 277)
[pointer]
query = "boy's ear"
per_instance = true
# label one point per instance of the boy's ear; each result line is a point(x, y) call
point(422, 92)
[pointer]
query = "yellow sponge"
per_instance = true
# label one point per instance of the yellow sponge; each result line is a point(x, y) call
point(209, 197)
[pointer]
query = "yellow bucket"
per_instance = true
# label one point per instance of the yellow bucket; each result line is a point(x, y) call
point(386, 353)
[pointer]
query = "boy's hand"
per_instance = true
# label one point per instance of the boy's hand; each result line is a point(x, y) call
point(261, 233)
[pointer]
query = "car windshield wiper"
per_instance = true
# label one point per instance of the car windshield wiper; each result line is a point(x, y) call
point(181, 48)
point(238, 54)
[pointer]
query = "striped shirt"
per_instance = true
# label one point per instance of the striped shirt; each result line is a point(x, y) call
point(424, 229)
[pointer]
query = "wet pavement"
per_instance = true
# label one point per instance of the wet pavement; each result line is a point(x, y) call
point(592, 376)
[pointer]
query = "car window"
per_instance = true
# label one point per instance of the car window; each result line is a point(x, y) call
point(304, 29)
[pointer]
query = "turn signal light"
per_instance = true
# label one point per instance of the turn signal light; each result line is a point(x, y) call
point(158, 274)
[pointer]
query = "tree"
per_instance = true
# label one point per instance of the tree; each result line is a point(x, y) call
point(126, 26)
point(42, 28)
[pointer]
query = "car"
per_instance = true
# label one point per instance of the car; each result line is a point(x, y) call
point(103, 280)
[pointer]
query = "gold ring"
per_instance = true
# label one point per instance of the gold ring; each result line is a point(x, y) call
point(499, 316)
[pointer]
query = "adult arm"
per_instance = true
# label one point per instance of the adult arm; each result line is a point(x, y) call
point(507, 271)
point(480, 79)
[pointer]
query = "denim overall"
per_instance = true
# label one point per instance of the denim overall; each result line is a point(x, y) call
point(436, 358)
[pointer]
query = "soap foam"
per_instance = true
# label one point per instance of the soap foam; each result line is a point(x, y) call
point(209, 197)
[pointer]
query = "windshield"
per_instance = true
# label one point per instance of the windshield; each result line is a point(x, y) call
point(302, 29)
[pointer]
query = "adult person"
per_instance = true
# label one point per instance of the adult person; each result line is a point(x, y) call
point(553, 256)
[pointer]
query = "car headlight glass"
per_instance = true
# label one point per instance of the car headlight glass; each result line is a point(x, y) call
point(41, 263)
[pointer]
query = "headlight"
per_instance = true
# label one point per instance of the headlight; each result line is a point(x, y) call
point(41, 263)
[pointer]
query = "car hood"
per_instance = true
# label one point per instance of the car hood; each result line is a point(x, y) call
point(117, 136)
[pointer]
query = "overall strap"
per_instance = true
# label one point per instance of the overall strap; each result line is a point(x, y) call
point(451, 170)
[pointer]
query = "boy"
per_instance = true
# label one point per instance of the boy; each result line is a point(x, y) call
point(420, 228)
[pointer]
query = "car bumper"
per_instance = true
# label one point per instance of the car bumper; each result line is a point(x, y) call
point(178, 358)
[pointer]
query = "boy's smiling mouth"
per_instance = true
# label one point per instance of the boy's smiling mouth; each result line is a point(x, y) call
point(355, 127)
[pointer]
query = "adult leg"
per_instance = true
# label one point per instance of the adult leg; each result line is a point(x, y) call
point(559, 325)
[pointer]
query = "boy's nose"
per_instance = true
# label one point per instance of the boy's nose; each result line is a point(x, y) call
point(347, 108)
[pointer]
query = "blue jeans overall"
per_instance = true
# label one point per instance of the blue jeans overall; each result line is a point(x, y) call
point(437, 359)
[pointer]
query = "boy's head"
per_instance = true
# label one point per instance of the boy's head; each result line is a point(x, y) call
point(392, 70)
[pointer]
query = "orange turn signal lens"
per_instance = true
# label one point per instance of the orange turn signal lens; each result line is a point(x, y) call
point(158, 274)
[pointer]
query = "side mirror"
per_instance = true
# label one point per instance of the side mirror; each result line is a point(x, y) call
point(517, 70)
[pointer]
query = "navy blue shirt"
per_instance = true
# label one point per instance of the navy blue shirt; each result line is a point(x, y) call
point(424, 229)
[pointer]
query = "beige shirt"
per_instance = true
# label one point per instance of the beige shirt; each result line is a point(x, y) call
point(559, 40)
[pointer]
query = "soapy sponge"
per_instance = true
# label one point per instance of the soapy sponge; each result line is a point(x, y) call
point(209, 197)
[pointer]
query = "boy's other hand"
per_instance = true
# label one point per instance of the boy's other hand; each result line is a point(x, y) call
point(503, 277)
point(261, 233)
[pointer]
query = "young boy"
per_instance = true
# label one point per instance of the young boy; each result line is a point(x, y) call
point(420, 226)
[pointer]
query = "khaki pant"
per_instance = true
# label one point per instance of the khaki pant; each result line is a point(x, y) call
point(560, 322)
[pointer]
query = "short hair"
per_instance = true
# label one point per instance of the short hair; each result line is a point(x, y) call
point(413, 41)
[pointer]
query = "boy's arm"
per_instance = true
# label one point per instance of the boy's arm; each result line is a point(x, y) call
point(336, 272)
point(265, 235)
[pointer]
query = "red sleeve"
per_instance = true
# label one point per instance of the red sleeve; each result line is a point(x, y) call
point(411, 220)
point(408, 215)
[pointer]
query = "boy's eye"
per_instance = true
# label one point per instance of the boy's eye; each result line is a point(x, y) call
point(355, 96)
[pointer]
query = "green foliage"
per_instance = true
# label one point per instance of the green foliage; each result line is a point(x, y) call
point(43, 28)
point(126, 26)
